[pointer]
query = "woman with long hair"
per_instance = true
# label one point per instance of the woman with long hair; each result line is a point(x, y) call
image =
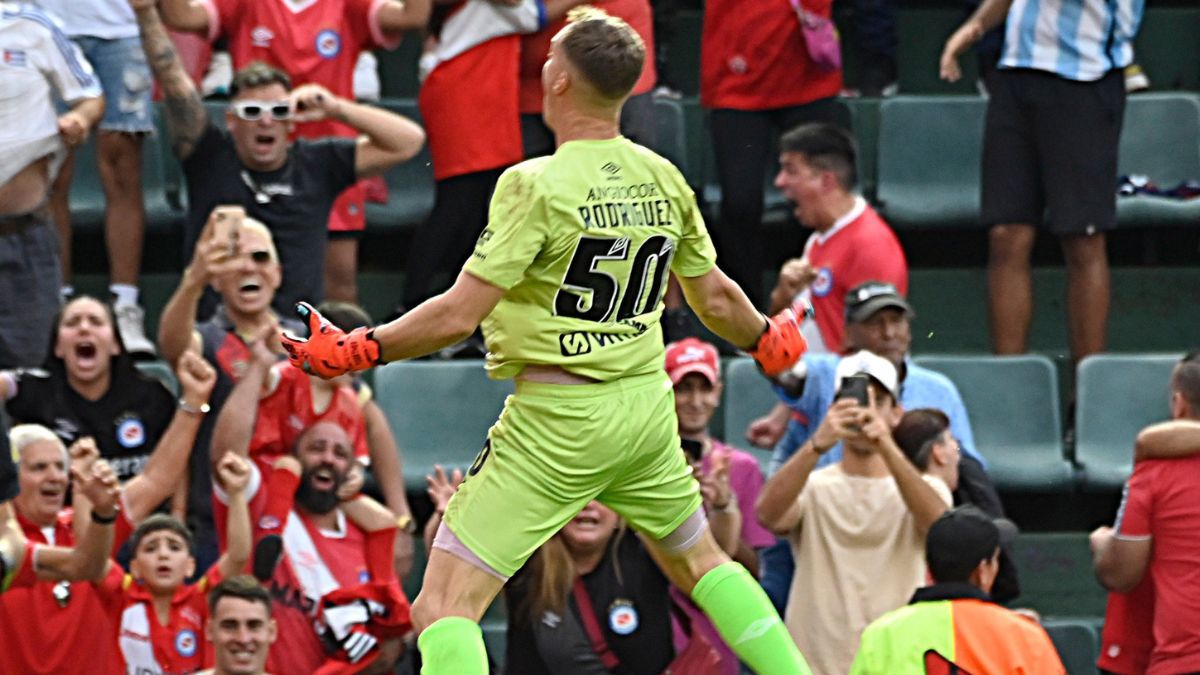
point(89, 388)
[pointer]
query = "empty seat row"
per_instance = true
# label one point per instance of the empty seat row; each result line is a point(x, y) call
point(1015, 411)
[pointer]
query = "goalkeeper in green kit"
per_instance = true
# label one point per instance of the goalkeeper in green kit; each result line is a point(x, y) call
point(567, 281)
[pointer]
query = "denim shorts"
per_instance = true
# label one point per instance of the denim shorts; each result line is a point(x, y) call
point(125, 77)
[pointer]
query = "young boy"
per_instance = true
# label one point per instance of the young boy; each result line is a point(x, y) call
point(162, 621)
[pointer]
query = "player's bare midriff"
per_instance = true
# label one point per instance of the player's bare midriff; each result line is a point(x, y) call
point(552, 375)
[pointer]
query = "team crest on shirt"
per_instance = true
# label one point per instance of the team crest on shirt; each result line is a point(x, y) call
point(261, 37)
point(622, 617)
point(185, 643)
point(329, 43)
point(823, 283)
point(131, 433)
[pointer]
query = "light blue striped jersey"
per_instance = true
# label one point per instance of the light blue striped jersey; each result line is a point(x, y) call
point(1075, 39)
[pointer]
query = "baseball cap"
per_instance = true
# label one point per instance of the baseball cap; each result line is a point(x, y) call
point(869, 297)
point(961, 538)
point(864, 362)
point(691, 355)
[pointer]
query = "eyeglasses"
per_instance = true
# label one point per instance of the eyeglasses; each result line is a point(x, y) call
point(252, 111)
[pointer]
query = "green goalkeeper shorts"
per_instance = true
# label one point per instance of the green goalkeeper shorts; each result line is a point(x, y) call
point(555, 448)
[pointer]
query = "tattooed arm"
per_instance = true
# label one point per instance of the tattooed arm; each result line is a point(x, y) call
point(186, 118)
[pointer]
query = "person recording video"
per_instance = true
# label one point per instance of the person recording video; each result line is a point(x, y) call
point(857, 526)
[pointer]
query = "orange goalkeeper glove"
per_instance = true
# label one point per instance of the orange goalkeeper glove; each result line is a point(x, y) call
point(780, 345)
point(328, 351)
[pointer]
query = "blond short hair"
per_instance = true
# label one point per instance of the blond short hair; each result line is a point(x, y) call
point(605, 50)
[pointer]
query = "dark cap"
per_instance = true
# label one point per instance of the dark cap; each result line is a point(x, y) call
point(962, 538)
point(916, 429)
point(869, 297)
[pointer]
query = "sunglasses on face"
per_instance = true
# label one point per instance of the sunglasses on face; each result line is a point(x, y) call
point(260, 257)
point(252, 111)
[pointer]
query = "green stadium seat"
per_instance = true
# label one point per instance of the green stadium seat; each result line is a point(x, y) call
point(162, 372)
point(1013, 405)
point(929, 153)
point(1117, 395)
point(864, 119)
point(671, 132)
point(439, 411)
point(748, 396)
point(1056, 574)
point(1077, 644)
point(410, 185)
point(1161, 140)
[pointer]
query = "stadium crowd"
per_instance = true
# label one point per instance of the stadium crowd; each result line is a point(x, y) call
point(256, 519)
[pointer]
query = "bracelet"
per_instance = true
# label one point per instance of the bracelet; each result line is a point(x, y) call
point(189, 408)
point(406, 523)
point(106, 520)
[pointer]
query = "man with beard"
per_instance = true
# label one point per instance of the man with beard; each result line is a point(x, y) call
point(246, 277)
point(327, 545)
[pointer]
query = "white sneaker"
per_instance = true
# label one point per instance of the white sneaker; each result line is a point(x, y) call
point(131, 321)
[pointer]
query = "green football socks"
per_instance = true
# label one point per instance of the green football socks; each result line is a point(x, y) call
point(745, 618)
point(453, 646)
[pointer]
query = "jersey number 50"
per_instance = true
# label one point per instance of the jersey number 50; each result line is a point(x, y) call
point(638, 294)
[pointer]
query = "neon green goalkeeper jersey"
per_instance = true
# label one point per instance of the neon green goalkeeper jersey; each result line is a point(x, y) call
point(582, 241)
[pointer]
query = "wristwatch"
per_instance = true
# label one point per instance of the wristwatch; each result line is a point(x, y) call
point(189, 408)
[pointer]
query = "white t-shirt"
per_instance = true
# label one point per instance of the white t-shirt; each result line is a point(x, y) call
point(858, 555)
point(108, 19)
point(36, 58)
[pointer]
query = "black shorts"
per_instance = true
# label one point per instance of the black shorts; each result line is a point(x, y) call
point(1050, 151)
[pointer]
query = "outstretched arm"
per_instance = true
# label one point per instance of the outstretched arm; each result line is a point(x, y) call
point(723, 307)
point(186, 118)
point(438, 322)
